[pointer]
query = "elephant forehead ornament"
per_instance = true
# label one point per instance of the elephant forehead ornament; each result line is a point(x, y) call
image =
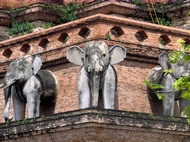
point(28, 84)
point(97, 73)
point(156, 76)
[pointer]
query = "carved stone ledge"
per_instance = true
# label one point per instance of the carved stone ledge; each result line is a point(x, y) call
point(5, 19)
point(69, 124)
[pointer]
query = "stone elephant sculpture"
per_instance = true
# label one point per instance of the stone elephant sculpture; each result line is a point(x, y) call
point(156, 76)
point(28, 84)
point(97, 73)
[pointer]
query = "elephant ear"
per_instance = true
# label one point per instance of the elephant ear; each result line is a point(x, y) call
point(117, 54)
point(37, 63)
point(75, 55)
point(164, 61)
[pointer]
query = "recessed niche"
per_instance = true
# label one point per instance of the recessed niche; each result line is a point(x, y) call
point(7, 53)
point(164, 39)
point(141, 35)
point(63, 37)
point(44, 43)
point(84, 32)
point(187, 41)
point(25, 48)
point(117, 31)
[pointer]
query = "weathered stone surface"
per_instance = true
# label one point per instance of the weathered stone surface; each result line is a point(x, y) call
point(5, 19)
point(98, 125)
point(3, 37)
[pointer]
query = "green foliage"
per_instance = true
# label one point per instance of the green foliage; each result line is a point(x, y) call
point(183, 83)
point(20, 28)
point(55, 116)
point(174, 57)
point(53, 6)
point(161, 40)
point(69, 13)
point(163, 20)
point(181, 55)
point(151, 115)
point(186, 112)
point(66, 39)
point(138, 2)
point(47, 25)
point(107, 36)
point(179, 2)
point(22, 8)
point(156, 88)
point(189, 13)
point(100, 115)
point(43, 117)
point(25, 121)
point(10, 11)
point(168, 71)
point(7, 123)
point(172, 118)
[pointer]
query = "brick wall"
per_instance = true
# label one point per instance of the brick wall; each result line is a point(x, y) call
point(141, 57)
point(131, 95)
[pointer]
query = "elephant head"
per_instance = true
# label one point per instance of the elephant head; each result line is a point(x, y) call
point(18, 73)
point(96, 59)
point(22, 69)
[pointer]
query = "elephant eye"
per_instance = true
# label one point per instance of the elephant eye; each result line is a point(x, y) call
point(104, 55)
point(20, 68)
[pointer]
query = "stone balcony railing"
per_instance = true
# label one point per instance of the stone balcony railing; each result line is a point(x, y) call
point(97, 125)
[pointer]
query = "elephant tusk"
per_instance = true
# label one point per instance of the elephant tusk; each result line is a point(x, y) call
point(101, 68)
point(12, 82)
point(8, 119)
point(1, 85)
point(4, 87)
point(168, 91)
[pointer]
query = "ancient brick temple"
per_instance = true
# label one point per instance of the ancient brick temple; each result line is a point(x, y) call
point(136, 118)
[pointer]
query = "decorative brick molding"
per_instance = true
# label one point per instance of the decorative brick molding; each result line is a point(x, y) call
point(125, 31)
point(35, 10)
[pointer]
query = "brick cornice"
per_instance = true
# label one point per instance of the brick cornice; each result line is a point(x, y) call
point(99, 18)
point(146, 50)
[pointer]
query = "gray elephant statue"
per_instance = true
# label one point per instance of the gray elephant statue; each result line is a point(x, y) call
point(28, 84)
point(156, 76)
point(97, 73)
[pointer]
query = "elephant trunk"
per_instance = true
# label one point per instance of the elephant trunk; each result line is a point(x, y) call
point(7, 93)
point(168, 91)
point(7, 85)
point(95, 90)
point(95, 81)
